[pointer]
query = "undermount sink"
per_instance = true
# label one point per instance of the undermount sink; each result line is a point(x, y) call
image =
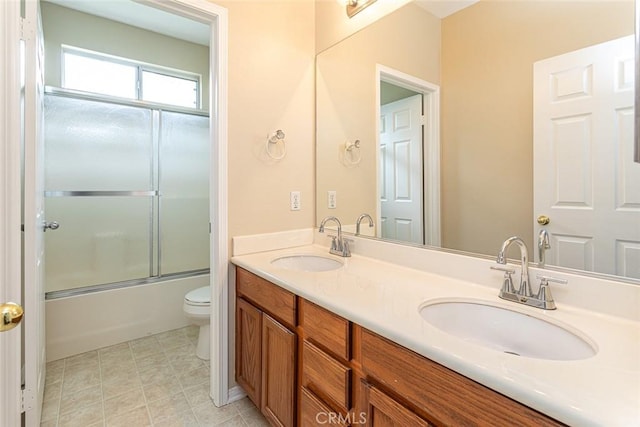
point(505, 330)
point(311, 263)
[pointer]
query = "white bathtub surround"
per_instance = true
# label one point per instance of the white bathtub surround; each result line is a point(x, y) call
point(382, 286)
point(114, 316)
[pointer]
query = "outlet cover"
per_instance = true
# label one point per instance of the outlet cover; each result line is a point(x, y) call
point(332, 201)
point(294, 200)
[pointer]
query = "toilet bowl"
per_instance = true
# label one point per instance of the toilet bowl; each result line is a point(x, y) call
point(197, 308)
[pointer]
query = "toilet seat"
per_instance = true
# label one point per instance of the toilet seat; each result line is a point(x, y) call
point(198, 297)
point(197, 309)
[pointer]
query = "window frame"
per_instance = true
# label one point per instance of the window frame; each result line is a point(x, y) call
point(140, 67)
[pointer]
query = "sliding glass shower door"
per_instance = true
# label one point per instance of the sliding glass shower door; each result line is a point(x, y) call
point(129, 187)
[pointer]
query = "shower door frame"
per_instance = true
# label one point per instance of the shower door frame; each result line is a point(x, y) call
point(155, 273)
point(217, 18)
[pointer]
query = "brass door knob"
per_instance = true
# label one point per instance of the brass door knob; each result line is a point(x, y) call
point(10, 316)
point(543, 220)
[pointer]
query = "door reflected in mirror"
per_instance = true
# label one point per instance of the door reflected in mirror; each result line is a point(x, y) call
point(497, 147)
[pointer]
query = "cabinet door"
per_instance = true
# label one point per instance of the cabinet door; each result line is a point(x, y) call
point(278, 372)
point(383, 411)
point(249, 349)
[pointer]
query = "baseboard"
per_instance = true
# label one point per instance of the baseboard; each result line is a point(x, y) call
point(236, 393)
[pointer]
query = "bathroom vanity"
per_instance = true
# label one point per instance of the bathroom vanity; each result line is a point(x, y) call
point(347, 345)
point(290, 350)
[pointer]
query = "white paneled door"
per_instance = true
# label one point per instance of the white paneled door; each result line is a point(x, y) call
point(22, 358)
point(10, 212)
point(34, 216)
point(401, 186)
point(586, 182)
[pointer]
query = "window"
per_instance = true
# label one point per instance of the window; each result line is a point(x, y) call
point(167, 89)
point(107, 75)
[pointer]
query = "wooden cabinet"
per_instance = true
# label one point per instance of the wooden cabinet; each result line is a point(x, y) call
point(435, 393)
point(382, 411)
point(325, 374)
point(314, 412)
point(249, 349)
point(303, 365)
point(265, 347)
point(278, 372)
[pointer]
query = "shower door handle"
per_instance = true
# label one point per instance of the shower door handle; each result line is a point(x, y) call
point(53, 225)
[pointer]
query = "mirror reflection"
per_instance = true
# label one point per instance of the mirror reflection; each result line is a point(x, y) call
point(501, 119)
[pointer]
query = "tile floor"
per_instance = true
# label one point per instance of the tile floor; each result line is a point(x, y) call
point(153, 381)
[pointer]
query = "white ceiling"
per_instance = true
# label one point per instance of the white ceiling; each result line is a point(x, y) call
point(139, 15)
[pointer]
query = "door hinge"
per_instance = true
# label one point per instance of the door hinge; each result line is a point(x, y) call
point(27, 399)
point(27, 30)
point(423, 120)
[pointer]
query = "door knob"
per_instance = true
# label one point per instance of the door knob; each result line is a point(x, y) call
point(10, 315)
point(53, 225)
point(543, 220)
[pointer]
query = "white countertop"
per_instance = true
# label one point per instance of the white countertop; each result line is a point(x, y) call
point(602, 390)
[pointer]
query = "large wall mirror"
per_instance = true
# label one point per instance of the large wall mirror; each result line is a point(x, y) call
point(503, 118)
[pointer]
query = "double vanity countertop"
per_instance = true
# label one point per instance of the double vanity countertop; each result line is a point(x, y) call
point(386, 298)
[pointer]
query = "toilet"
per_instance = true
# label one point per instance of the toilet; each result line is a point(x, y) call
point(197, 308)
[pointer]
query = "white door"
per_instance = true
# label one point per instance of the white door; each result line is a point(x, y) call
point(585, 179)
point(33, 281)
point(10, 210)
point(401, 186)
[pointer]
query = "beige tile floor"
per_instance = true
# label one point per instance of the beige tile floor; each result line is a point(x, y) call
point(153, 381)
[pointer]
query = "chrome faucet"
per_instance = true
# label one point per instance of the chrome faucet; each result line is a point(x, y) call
point(543, 245)
point(523, 294)
point(525, 288)
point(339, 246)
point(359, 220)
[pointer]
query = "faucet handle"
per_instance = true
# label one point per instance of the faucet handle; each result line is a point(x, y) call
point(507, 282)
point(334, 242)
point(544, 280)
point(544, 293)
point(507, 270)
point(346, 252)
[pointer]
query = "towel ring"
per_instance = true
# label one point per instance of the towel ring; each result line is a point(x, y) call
point(274, 138)
point(352, 154)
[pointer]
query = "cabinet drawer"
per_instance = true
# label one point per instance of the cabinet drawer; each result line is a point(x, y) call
point(271, 298)
point(438, 393)
point(382, 410)
point(314, 412)
point(326, 377)
point(326, 329)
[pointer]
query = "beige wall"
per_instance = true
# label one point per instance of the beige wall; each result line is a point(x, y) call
point(271, 86)
point(488, 51)
point(67, 26)
point(346, 102)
